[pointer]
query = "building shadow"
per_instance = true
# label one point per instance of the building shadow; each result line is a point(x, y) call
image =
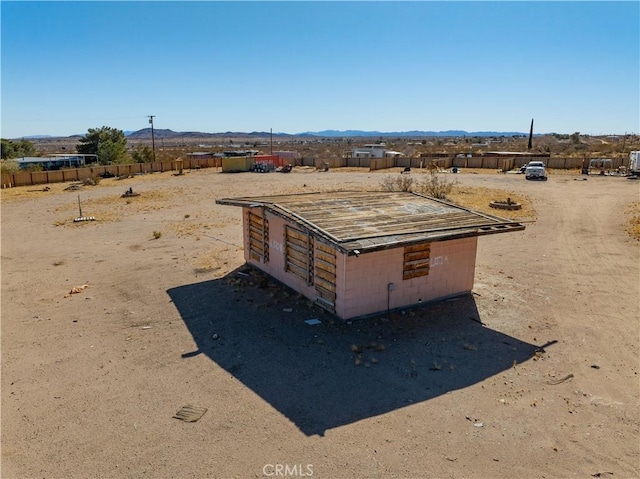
point(331, 374)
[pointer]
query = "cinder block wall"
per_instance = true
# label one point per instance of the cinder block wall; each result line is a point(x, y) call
point(366, 278)
point(362, 281)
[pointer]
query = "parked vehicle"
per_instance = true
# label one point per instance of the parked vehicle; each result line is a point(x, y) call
point(634, 163)
point(535, 170)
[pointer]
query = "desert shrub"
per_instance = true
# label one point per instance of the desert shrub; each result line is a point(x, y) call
point(397, 183)
point(88, 181)
point(435, 185)
point(157, 234)
point(633, 220)
point(9, 166)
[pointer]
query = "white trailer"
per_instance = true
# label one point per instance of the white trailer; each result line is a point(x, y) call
point(634, 163)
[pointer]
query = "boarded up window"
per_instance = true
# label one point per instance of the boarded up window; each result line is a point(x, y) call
point(325, 275)
point(299, 253)
point(416, 261)
point(258, 237)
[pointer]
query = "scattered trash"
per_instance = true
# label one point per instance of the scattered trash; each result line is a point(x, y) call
point(313, 321)
point(190, 413)
point(146, 327)
point(553, 382)
point(288, 310)
point(215, 337)
point(600, 474)
point(242, 274)
point(595, 366)
point(478, 424)
point(46, 188)
point(76, 290)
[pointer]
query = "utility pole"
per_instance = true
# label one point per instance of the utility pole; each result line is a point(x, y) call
point(153, 139)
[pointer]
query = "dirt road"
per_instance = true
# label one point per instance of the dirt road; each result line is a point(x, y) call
point(164, 314)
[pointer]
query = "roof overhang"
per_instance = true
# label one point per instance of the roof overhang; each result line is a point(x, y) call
point(373, 221)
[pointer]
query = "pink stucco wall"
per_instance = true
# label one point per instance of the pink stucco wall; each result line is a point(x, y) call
point(361, 281)
point(367, 277)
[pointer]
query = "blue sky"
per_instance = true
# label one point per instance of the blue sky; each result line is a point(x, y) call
point(309, 66)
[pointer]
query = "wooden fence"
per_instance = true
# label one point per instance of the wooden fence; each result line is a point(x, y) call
point(503, 162)
point(27, 178)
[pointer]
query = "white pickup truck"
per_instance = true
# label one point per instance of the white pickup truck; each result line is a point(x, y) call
point(634, 163)
point(535, 170)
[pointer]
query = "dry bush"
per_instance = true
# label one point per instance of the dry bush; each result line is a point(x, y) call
point(633, 220)
point(435, 185)
point(88, 181)
point(431, 184)
point(397, 183)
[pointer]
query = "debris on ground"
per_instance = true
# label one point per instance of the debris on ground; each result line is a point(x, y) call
point(553, 382)
point(76, 290)
point(129, 193)
point(190, 413)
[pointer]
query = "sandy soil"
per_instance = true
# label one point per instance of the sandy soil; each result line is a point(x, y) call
point(534, 375)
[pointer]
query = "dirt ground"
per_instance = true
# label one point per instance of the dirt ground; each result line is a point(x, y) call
point(109, 327)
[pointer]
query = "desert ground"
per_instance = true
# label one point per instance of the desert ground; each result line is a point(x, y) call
point(109, 327)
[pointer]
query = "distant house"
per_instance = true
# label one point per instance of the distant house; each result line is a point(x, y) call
point(373, 150)
point(56, 161)
point(361, 253)
point(201, 155)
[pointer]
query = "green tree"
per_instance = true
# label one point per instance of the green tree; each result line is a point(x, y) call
point(108, 143)
point(17, 148)
point(142, 154)
point(575, 138)
point(110, 152)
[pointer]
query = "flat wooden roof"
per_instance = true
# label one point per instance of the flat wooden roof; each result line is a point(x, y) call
point(370, 221)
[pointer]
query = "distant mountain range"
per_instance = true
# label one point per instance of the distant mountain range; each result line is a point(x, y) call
point(170, 134)
point(412, 133)
point(146, 133)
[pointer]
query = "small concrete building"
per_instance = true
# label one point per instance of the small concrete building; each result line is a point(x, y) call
point(361, 253)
